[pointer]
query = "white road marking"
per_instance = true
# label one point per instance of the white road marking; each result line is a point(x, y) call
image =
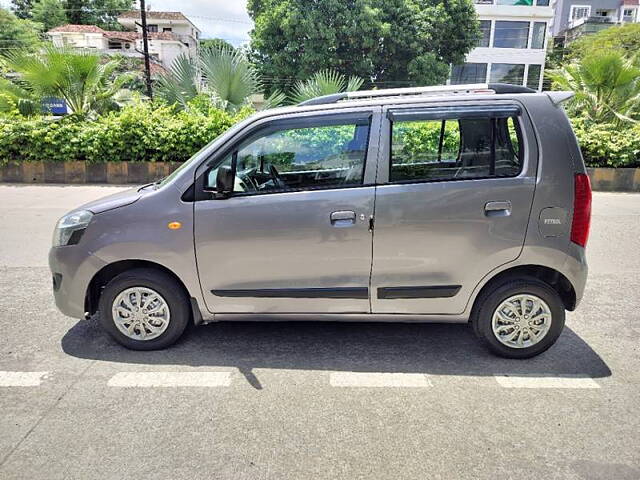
point(170, 379)
point(375, 379)
point(537, 381)
point(21, 379)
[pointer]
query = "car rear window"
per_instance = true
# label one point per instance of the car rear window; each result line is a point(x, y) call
point(455, 148)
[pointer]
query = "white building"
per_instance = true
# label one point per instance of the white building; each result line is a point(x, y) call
point(575, 18)
point(170, 35)
point(513, 45)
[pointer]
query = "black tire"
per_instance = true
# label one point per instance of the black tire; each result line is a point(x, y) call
point(489, 301)
point(167, 287)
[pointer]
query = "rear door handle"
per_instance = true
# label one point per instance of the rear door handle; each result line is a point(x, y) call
point(497, 208)
point(343, 218)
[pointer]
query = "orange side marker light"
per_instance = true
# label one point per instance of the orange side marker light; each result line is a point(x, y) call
point(174, 225)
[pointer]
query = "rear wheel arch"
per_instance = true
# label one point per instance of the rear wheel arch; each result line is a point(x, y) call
point(550, 276)
point(112, 270)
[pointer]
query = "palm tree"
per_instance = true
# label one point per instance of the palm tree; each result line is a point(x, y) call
point(222, 73)
point(324, 82)
point(606, 84)
point(79, 77)
point(181, 84)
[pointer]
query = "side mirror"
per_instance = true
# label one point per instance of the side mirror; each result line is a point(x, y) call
point(224, 182)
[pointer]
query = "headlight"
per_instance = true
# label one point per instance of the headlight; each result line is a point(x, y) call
point(70, 228)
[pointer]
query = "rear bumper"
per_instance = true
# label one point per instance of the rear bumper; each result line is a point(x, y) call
point(72, 269)
point(576, 270)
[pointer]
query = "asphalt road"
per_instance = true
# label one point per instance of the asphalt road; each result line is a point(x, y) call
point(313, 400)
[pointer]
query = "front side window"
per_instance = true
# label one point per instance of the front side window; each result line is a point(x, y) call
point(511, 34)
point(455, 149)
point(469, 73)
point(512, 73)
point(288, 159)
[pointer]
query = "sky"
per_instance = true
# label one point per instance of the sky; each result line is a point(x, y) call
point(226, 19)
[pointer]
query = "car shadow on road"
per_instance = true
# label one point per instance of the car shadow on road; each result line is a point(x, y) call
point(433, 349)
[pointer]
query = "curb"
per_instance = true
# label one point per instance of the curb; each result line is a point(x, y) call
point(615, 179)
point(119, 173)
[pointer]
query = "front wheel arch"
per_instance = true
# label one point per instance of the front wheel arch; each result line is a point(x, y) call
point(109, 272)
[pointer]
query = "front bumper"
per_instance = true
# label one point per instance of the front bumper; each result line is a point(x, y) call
point(72, 269)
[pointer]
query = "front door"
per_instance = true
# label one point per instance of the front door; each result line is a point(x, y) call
point(456, 190)
point(294, 235)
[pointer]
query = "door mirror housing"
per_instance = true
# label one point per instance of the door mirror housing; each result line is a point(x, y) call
point(224, 181)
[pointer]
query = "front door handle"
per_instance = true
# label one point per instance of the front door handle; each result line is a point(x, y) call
point(498, 209)
point(343, 218)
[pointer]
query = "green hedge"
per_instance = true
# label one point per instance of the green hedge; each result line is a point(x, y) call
point(145, 132)
point(608, 145)
point(137, 133)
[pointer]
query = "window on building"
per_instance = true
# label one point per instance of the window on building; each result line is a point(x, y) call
point(511, 34)
point(515, 2)
point(507, 73)
point(580, 11)
point(542, 3)
point(469, 73)
point(167, 29)
point(537, 36)
point(533, 77)
point(628, 15)
point(152, 28)
point(455, 149)
point(600, 12)
point(485, 29)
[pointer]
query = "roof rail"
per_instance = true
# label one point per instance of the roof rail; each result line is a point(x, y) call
point(436, 90)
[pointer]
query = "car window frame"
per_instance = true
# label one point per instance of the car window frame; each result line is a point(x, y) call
point(454, 112)
point(302, 120)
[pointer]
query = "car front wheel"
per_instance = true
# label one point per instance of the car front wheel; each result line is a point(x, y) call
point(144, 309)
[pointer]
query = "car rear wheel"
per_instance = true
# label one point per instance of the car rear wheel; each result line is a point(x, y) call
point(519, 318)
point(144, 309)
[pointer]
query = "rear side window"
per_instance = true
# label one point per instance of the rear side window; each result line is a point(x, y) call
point(455, 149)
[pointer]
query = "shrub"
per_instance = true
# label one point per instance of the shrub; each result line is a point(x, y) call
point(608, 145)
point(142, 132)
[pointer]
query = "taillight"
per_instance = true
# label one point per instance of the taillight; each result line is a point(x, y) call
point(581, 210)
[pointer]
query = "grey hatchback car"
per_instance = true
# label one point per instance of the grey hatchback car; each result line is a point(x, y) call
point(460, 204)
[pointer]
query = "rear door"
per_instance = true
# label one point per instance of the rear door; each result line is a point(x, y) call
point(294, 236)
point(455, 193)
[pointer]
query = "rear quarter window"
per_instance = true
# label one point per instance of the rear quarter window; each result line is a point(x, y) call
point(455, 149)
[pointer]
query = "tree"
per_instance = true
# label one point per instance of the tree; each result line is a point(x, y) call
point(408, 41)
point(324, 82)
point(624, 38)
point(215, 42)
point(17, 33)
point(79, 77)
point(606, 86)
point(224, 75)
point(49, 13)
point(103, 13)
point(22, 8)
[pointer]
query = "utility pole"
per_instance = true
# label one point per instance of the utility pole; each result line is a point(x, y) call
point(145, 46)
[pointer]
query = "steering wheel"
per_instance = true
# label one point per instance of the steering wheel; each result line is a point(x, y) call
point(277, 180)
